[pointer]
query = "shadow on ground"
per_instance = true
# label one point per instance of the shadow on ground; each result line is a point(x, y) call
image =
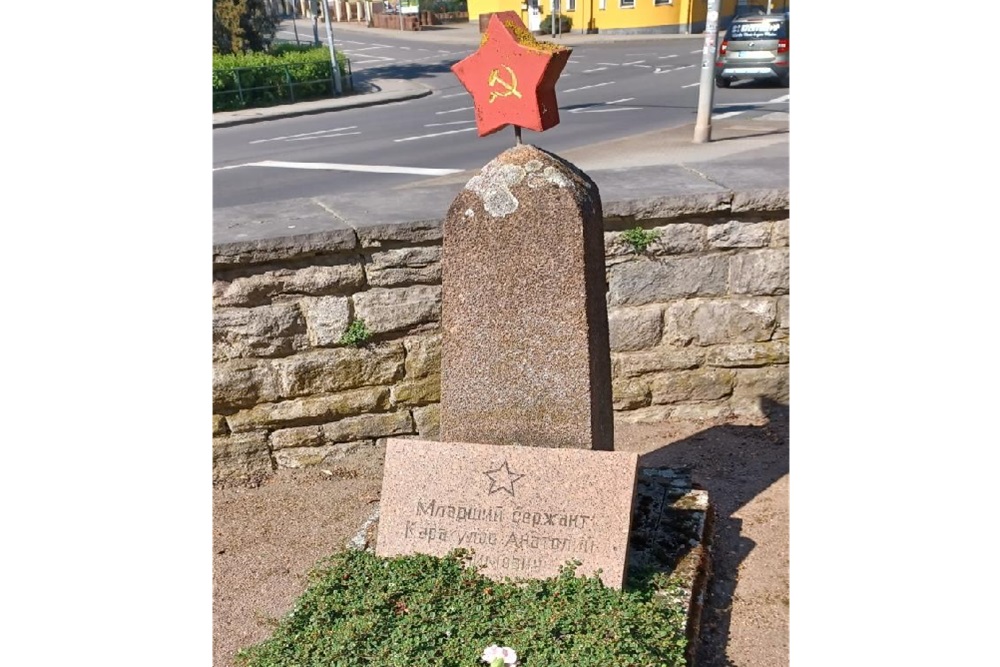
point(734, 463)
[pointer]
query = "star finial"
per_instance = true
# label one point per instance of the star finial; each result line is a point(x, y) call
point(512, 77)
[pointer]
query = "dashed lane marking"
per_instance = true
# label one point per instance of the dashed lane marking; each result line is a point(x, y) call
point(291, 137)
point(436, 134)
point(438, 113)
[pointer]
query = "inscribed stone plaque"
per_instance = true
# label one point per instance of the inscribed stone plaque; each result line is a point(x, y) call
point(525, 358)
point(524, 511)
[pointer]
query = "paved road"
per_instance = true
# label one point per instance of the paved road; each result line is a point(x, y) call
point(608, 91)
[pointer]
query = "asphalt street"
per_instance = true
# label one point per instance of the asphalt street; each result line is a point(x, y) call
point(608, 92)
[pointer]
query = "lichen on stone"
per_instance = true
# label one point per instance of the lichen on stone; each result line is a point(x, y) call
point(493, 185)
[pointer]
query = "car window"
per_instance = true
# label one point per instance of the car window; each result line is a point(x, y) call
point(758, 30)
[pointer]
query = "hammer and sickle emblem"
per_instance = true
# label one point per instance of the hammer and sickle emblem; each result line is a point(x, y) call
point(511, 87)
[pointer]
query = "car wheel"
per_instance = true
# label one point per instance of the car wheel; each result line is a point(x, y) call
point(722, 82)
point(783, 82)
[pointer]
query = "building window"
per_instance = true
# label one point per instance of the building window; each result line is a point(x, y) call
point(659, 3)
point(626, 4)
point(602, 4)
point(563, 6)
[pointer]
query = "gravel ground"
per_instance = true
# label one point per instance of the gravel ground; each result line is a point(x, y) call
point(267, 538)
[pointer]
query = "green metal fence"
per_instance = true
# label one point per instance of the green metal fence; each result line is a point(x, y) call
point(253, 87)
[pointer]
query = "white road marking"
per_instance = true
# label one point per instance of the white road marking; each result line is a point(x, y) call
point(324, 136)
point(436, 134)
point(405, 48)
point(696, 83)
point(451, 122)
point(605, 110)
point(667, 70)
point(609, 64)
point(624, 99)
point(438, 113)
point(333, 166)
point(776, 100)
point(698, 51)
point(596, 69)
point(634, 62)
point(646, 66)
point(596, 85)
point(368, 48)
point(728, 114)
point(304, 134)
point(366, 62)
point(672, 55)
point(444, 97)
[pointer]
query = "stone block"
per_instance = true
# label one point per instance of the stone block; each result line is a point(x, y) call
point(405, 266)
point(630, 393)
point(265, 331)
point(748, 354)
point(385, 310)
point(328, 371)
point(310, 410)
point(428, 421)
point(423, 356)
point(348, 429)
point(327, 318)
point(241, 457)
point(240, 383)
point(306, 457)
point(784, 323)
point(261, 288)
point(645, 281)
point(737, 234)
point(524, 322)
point(635, 328)
point(760, 272)
point(698, 385)
point(717, 321)
point(417, 392)
point(768, 382)
point(634, 364)
point(524, 511)
point(779, 234)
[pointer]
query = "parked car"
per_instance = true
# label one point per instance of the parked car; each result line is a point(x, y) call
point(755, 47)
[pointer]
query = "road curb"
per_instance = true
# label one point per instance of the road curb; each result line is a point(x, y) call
point(319, 106)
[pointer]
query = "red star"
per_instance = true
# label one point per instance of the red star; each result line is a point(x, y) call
point(512, 77)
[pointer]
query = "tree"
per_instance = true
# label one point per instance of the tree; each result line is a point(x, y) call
point(239, 26)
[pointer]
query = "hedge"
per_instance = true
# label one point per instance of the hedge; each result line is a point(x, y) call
point(287, 74)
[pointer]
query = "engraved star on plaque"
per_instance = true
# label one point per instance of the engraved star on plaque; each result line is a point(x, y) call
point(502, 479)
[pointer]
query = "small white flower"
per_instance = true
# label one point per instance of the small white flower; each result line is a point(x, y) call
point(497, 656)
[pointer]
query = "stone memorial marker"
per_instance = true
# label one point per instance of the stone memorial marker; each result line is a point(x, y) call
point(525, 358)
point(524, 511)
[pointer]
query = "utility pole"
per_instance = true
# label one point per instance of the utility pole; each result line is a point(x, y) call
point(314, 10)
point(706, 91)
point(333, 53)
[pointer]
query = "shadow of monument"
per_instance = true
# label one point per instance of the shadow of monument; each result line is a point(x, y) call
point(407, 71)
point(734, 464)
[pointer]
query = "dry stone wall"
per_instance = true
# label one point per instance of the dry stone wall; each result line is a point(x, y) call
point(698, 322)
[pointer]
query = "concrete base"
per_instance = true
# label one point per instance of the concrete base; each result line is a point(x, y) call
point(670, 534)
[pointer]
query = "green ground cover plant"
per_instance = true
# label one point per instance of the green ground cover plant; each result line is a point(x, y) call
point(360, 609)
point(638, 239)
point(357, 334)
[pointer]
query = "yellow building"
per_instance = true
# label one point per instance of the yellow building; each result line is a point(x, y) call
point(619, 16)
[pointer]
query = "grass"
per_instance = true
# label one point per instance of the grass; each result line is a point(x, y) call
point(360, 609)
